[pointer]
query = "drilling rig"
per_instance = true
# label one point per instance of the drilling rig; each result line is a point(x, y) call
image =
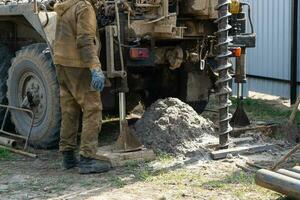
point(151, 49)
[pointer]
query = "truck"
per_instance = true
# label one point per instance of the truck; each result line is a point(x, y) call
point(150, 49)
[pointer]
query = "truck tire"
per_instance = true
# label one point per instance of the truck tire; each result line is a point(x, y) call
point(32, 70)
point(5, 58)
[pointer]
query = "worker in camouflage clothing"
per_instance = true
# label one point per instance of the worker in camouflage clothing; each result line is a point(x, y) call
point(80, 78)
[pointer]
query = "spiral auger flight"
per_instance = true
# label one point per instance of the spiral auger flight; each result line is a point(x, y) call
point(224, 91)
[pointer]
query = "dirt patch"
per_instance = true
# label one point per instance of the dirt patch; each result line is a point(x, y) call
point(172, 126)
point(166, 178)
point(191, 177)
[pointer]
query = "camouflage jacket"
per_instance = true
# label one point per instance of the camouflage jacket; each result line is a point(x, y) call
point(76, 42)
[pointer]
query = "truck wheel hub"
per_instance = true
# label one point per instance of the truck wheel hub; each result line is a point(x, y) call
point(30, 83)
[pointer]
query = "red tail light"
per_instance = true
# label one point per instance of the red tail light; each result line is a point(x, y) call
point(139, 53)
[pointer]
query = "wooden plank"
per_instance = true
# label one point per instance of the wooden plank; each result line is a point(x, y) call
point(128, 117)
point(285, 157)
point(254, 165)
point(289, 173)
point(246, 169)
point(239, 131)
point(278, 183)
point(24, 153)
point(242, 140)
point(120, 159)
point(220, 154)
point(232, 141)
point(244, 129)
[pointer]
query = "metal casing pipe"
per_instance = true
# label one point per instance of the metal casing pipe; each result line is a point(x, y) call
point(7, 142)
point(277, 182)
point(289, 173)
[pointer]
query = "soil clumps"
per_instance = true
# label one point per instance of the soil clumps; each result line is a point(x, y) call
point(172, 126)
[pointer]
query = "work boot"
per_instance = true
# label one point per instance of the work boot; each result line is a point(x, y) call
point(90, 165)
point(69, 160)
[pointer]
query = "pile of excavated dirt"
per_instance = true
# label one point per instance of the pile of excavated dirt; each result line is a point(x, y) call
point(172, 126)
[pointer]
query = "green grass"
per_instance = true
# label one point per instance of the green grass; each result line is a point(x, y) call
point(237, 177)
point(268, 111)
point(60, 184)
point(144, 173)
point(240, 177)
point(164, 157)
point(236, 183)
point(116, 182)
point(214, 184)
point(177, 177)
point(5, 155)
point(131, 164)
point(263, 110)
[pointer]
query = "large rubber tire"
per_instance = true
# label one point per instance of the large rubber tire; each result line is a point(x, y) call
point(33, 70)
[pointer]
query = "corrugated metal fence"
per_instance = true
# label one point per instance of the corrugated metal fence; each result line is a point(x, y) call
point(269, 64)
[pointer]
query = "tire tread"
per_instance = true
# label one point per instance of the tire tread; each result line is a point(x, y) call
point(50, 139)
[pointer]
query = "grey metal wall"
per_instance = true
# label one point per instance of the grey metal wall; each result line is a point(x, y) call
point(271, 57)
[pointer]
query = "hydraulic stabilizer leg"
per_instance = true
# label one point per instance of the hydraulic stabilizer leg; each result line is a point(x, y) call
point(127, 140)
point(224, 91)
point(240, 117)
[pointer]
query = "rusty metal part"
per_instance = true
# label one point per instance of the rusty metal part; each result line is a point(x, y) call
point(24, 153)
point(8, 142)
point(127, 141)
point(8, 108)
point(224, 91)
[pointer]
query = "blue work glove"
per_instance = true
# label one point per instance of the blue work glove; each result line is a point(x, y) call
point(98, 79)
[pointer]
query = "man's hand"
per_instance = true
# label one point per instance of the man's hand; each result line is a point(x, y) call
point(98, 79)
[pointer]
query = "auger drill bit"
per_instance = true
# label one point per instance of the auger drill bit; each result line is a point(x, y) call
point(224, 91)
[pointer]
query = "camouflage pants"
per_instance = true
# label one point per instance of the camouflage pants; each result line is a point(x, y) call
point(76, 96)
